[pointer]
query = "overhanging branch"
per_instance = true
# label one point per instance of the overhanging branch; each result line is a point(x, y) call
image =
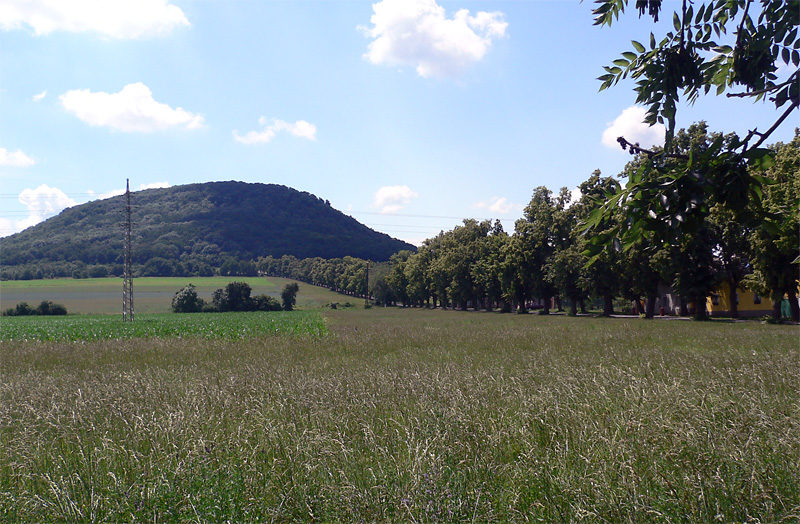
point(636, 149)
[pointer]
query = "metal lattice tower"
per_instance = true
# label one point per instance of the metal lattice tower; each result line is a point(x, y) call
point(127, 265)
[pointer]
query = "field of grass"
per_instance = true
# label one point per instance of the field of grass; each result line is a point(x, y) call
point(229, 325)
point(151, 295)
point(409, 416)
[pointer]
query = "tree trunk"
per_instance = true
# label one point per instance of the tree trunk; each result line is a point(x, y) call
point(639, 306)
point(573, 308)
point(732, 285)
point(546, 310)
point(700, 312)
point(650, 306)
point(583, 306)
point(777, 297)
point(558, 305)
point(608, 305)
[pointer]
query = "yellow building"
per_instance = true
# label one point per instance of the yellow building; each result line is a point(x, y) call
point(750, 303)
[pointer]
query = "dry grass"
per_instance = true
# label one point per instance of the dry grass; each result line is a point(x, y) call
point(414, 416)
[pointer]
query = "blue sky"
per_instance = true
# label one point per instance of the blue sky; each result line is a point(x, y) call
point(409, 115)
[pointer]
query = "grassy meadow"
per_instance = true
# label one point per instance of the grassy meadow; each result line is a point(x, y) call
point(409, 416)
point(103, 296)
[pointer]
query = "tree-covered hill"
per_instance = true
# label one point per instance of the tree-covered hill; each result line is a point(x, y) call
point(200, 226)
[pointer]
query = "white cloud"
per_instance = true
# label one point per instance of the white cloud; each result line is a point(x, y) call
point(630, 124)
point(391, 199)
point(40, 96)
point(131, 110)
point(575, 195)
point(110, 18)
point(499, 205)
point(42, 203)
point(300, 129)
point(417, 33)
point(15, 159)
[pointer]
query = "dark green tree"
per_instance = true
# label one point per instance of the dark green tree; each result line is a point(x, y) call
point(187, 301)
point(668, 198)
point(289, 296)
point(776, 250)
point(235, 296)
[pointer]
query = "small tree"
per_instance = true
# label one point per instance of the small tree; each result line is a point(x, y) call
point(187, 301)
point(288, 296)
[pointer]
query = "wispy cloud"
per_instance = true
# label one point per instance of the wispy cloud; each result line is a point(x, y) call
point(40, 96)
point(15, 159)
point(392, 199)
point(121, 19)
point(300, 129)
point(499, 205)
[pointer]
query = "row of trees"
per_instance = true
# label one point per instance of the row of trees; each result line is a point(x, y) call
point(571, 251)
point(235, 296)
point(45, 308)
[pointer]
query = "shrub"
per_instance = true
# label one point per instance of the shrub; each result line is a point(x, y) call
point(187, 301)
point(265, 303)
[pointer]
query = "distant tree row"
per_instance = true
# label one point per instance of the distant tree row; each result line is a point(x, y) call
point(160, 265)
point(45, 308)
point(567, 252)
point(235, 296)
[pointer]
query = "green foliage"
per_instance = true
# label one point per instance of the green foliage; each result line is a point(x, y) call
point(45, 308)
point(265, 303)
point(776, 250)
point(187, 301)
point(692, 58)
point(669, 198)
point(289, 296)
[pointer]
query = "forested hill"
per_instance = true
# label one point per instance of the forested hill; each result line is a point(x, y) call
point(198, 224)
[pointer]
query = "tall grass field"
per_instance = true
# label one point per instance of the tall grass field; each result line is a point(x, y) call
point(408, 416)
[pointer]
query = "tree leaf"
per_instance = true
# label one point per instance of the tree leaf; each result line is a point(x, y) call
point(639, 47)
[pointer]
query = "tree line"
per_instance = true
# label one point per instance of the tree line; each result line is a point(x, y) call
point(566, 252)
point(235, 296)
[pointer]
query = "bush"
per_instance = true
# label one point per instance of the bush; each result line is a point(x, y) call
point(187, 301)
point(266, 303)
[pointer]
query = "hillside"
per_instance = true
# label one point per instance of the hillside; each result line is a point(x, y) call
point(198, 225)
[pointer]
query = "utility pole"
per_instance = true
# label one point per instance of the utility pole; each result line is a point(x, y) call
point(127, 260)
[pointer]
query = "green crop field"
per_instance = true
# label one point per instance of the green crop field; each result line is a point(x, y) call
point(229, 325)
point(151, 295)
point(408, 416)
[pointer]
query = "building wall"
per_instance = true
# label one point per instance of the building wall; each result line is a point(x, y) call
point(719, 304)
